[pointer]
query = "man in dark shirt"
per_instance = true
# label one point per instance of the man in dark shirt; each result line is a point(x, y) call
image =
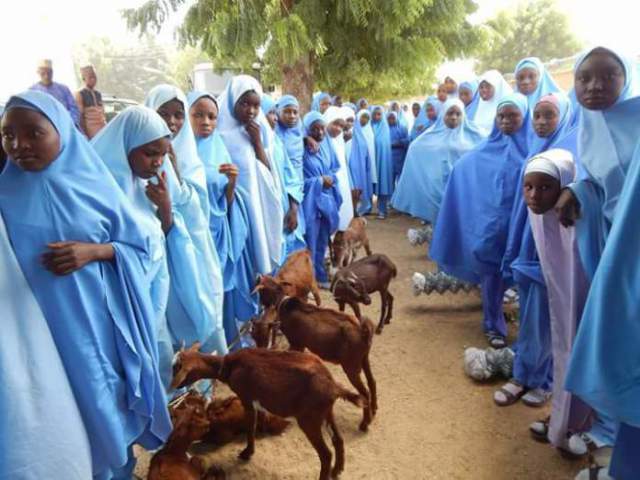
point(89, 101)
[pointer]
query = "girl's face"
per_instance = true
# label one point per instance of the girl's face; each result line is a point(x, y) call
point(290, 115)
point(29, 139)
point(317, 131)
point(599, 80)
point(172, 113)
point(442, 93)
point(465, 95)
point(395, 107)
point(350, 121)
point(247, 107)
point(324, 104)
point(541, 192)
point(486, 91)
point(450, 85)
point(527, 80)
point(272, 118)
point(415, 108)
point(364, 119)
point(377, 115)
point(335, 128)
point(363, 104)
point(453, 117)
point(391, 119)
point(509, 119)
point(431, 112)
point(545, 119)
point(145, 161)
point(203, 116)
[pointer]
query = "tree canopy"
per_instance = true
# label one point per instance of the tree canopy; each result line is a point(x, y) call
point(377, 48)
point(536, 28)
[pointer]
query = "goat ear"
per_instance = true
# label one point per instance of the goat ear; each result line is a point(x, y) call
point(195, 347)
point(257, 288)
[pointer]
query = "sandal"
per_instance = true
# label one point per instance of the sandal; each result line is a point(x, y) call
point(509, 393)
point(539, 430)
point(536, 398)
point(496, 340)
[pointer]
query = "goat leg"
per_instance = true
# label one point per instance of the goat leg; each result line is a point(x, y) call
point(311, 425)
point(389, 307)
point(353, 374)
point(356, 310)
point(338, 444)
point(371, 383)
point(341, 306)
point(383, 311)
point(251, 417)
point(367, 248)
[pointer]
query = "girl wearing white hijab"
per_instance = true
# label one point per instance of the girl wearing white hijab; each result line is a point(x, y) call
point(333, 117)
point(493, 88)
point(249, 139)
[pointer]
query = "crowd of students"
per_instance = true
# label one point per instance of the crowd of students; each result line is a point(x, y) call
point(118, 250)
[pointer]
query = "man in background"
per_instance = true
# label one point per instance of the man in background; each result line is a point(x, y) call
point(89, 102)
point(57, 90)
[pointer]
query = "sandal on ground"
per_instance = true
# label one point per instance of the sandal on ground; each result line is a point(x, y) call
point(539, 430)
point(579, 445)
point(496, 340)
point(509, 393)
point(536, 398)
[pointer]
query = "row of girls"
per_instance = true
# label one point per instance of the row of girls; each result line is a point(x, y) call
point(115, 253)
point(546, 202)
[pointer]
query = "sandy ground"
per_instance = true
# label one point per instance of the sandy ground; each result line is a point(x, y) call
point(433, 422)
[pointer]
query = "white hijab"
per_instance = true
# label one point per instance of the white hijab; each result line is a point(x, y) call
point(485, 117)
point(344, 184)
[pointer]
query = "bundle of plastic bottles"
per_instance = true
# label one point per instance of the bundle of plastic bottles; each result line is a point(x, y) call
point(439, 282)
point(483, 365)
point(418, 236)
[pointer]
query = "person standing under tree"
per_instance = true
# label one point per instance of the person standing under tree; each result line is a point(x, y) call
point(89, 100)
point(57, 90)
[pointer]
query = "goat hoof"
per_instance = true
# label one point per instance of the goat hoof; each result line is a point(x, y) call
point(335, 473)
point(379, 330)
point(364, 426)
point(246, 454)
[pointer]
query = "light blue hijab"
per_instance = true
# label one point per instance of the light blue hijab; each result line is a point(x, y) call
point(42, 430)
point(317, 98)
point(101, 317)
point(360, 162)
point(292, 137)
point(422, 120)
point(546, 83)
point(384, 161)
point(470, 234)
point(470, 110)
point(429, 161)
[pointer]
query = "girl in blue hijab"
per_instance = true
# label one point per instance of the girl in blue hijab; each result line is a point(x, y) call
point(85, 257)
point(384, 160)
point(42, 430)
point(196, 296)
point(321, 101)
point(468, 93)
point(430, 159)
point(292, 184)
point(427, 117)
point(228, 218)
point(322, 197)
point(360, 162)
point(471, 231)
point(399, 143)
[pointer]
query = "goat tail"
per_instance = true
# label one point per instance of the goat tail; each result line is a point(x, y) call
point(351, 397)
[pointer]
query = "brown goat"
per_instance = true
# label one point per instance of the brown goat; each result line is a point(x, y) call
point(190, 423)
point(228, 419)
point(352, 285)
point(345, 245)
point(334, 336)
point(296, 277)
point(287, 384)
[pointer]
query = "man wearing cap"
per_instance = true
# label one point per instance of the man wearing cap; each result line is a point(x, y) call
point(89, 102)
point(57, 90)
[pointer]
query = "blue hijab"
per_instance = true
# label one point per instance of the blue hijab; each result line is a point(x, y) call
point(430, 159)
point(360, 163)
point(384, 161)
point(546, 83)
point(100, 316)
point(292, 137)
point(317, 98)
point(605, 361)
point(470, 110)
point(422, 120)
point(470, 234)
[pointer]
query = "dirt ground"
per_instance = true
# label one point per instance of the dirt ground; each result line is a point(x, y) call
point(432, 422)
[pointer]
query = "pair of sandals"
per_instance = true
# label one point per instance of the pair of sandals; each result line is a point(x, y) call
point(512, 392)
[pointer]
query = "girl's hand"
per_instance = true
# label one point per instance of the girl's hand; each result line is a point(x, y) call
point(312, 144)
point(567, 207)
point(174, 162)
point(327, 182)
point(255, 134)
point(291, 219)
point(161, 198)
point(230, 170)
point(67, 257)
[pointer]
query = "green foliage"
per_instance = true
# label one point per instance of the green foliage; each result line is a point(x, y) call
point(355, 47)
point(536, 28)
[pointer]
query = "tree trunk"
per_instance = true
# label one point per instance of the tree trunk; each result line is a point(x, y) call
point(297, 80)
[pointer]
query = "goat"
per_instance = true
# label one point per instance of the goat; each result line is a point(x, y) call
point(287, 384)
point(334, 336)
point(190, 423)
point(353, 284)
point(296, 277)
point(345, 245)
point(229, 419)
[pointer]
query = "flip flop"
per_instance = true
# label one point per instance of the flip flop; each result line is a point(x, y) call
point(510, 397)
point(536, 398)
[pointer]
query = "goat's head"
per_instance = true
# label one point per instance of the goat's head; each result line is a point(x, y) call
point(338, 250)
point(189, 417)
point(189, 366)
point(269, 289)
point(348, 287)
point(262, 327)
